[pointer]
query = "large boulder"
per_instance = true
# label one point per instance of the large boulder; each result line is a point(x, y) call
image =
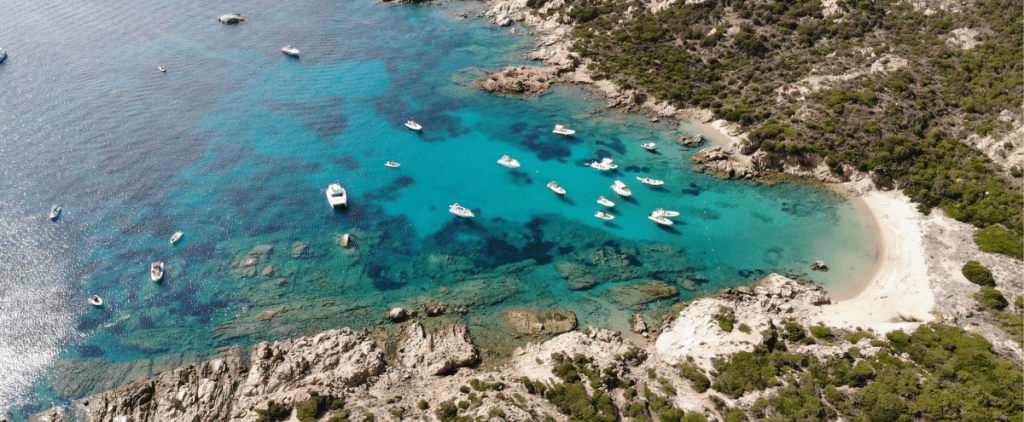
point(550, 321)
point(518, 80)
point(437, 352)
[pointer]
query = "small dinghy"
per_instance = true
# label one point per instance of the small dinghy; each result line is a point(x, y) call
point(162, 68)
point(604, 201)
point(650, 146)
point(176, 237)
point(509, 162)
point(413, 125)
point(336, 196)
point(461, 211)
point(392, 164)
point(621, 189)
point(96, 301)
point(562, 130)
point(650, 181)
point(604, 216)
point(54, 212)
point(553, 185)
point(665, 213)
point(291, 51)
point(660, 220)
point(156, 271)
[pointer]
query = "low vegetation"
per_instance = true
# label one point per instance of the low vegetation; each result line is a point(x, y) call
point(978, 274)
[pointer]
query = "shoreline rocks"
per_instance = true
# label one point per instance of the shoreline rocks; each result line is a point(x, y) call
point(550, 321)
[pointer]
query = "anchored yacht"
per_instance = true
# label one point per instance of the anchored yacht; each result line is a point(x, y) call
point(660, 219)
point(604, 216)
point(562, 130)
point(553, 185)
point(650, 181)
point(156, 271)
point(604, 201)
point(621, 189)
point(291, 51)
point(413, 125)
point(336, 196)
point(96, 301)
point(650, 146)
point(509, 162)
point(54, 212)
point(176, 237)
point(665, 213)
point(392, 164)
point(598, 166)
point(607, 162)
point(461, 211)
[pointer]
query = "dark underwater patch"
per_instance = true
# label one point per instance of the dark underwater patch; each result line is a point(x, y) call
point(614, 144)
point(329, 126)
point(89, 351)
point(376, 273)
point(518, 128)
point(520, 178)
point(348, 162)
point(391, 191)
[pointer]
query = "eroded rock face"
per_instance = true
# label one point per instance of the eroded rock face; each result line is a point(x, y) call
point(551, 321)
point(691, 141)
point(437, 352)
point(518, 80)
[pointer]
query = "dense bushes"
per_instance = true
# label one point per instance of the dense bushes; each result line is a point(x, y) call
point(978, 274)
point(275, 412)
point(696, 376)
point(990, 298)
point(999, 240)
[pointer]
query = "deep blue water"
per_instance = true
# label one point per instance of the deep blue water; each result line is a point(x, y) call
point(235, 143)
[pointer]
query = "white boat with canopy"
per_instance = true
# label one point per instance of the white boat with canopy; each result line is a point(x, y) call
point(621, 189)
point(156, 271)
point(413, 125)
point(336, 196)
point(553, 185)
point(650, 146)
point(461, 211)
point(665, 213)
point(509, 162)
point(650, 181)
point(604, 216)
point(660, 220)
point(562, 130)
point(604, 201)
point(291, 51)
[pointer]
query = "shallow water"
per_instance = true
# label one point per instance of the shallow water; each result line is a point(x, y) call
point(235, 143)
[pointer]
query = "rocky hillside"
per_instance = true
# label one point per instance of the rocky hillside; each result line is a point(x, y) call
point(744, 354)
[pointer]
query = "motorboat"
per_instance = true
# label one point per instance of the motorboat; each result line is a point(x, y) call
point(604, 216)
point(604, 201)
point(562, 130)
point(650, 146)
point(413, 125)
point(621, 189)
point(509, 162)
point(336, 196)
point(3, 55)
point(176, 237)
point(553, 185)
point(650, 181)
point(291, 51)
point(664, 213)
point(461, 211)
point(392, 164)
point(607, 162)
point(96, 301)
point(54, 212)
point(156, 271)
point(232, 18)
point(598, 166)
point(660, 219)
point(162, 68)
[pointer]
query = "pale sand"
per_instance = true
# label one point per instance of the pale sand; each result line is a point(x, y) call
point(716, 131)
point(899, 291)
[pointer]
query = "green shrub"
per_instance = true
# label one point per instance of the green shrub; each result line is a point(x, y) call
point(464, 389)
point(734, 415)
point(823, 333)
point(368, 417)
point(978, 274)
point(275, 412)
point(744, 328)
point(996, 238)
point(340, 416)
point(397, 414)
point(991, 298)
point(696, 376)
point(857, 336)
point(794, 332)
point(423, 405)
point(447, 411)
point(463, 404)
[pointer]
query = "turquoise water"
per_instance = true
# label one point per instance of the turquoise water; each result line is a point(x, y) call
point(236, 142)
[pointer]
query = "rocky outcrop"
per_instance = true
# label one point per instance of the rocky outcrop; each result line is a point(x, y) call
point(633, 296)
point(741, 159)
point(437, 352)
point(691, 141)
point(518, 80)
point(550, 321)
point(819, 266)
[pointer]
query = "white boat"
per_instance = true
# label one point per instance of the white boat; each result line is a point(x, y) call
point(660, 220)
point(664, 213)
point(156, 271)
point(621, 189)
point(599, 166)
point(562, 130)
point(604, 216)
point(336, 196)
point(650, 181)
point(553, 185)
point(392, 164)
point(289, 50)
point(96, 301)
point(604, 201)
point(650, 146)
point(607, 162)
point(461, 211)
point(176, 237)
point(54, 212)
point(3, 55)
point(413, 125)
point(162, 68)
point(509, 162)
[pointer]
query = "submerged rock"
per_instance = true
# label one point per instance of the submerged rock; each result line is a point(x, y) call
point(298, 250)
point(632, 296)
point(437, 352)
point(576, 275)
point(552, 321)
point(819, 266)
point(691, 141)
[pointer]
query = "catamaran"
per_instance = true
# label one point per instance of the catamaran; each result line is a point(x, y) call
point(621, 189)
point(604, 216)
point(604, 201)
point(553, 185)
point(336, 196)
point(650, 181)
point(461, 211)
point(509, 162)
point(562, 130)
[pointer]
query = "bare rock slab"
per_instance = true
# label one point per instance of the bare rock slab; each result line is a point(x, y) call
point(551, 321)
point(437, 352)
